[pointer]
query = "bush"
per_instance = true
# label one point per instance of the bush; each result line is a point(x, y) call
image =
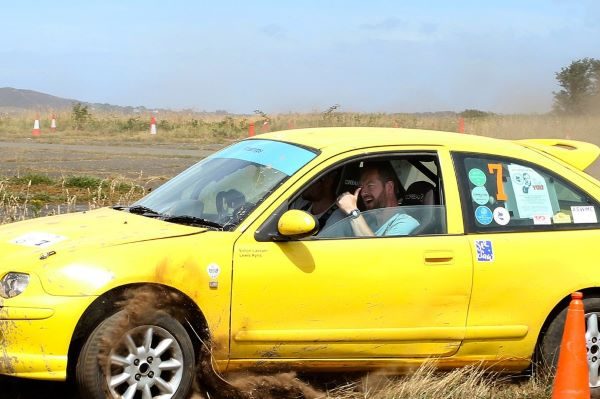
point(80, 115)
point(35, 179)
point(83, 182)
point(475, 113)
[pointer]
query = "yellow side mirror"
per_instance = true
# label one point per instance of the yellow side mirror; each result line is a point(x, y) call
point(297, 224)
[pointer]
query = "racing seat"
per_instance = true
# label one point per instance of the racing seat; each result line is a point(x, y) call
point(423, 199)
point(349, 181)
point(421, 193)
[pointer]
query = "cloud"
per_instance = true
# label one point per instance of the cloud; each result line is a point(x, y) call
point(274, 31)
point(387, 24)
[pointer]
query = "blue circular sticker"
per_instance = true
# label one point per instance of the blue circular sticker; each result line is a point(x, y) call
point(480, 195)
point(484, 215)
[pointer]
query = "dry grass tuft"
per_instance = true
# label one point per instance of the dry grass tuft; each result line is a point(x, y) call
point(427, 382)
point(22, 199)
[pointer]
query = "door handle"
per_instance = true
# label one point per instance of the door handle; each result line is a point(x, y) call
point(439, 257)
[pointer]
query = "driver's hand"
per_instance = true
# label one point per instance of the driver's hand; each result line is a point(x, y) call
point(347, 202)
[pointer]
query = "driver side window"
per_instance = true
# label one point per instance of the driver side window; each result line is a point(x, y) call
point(395, 195)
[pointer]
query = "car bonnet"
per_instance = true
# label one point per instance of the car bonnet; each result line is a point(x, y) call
point(85, 230)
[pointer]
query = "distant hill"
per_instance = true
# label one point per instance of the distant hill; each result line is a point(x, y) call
point(21, 100)
point(28, 99)
point(18, 100)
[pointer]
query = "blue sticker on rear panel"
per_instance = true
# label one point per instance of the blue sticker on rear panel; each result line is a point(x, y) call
point(484, 215)
point(485, 251)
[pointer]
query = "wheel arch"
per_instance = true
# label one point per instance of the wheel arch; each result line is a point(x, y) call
point(107, 304)
point(559, 307)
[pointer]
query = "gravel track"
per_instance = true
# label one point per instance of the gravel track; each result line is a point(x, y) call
point(27, 156)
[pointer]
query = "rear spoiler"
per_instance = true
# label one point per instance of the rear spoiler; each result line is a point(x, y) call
point(578, 154)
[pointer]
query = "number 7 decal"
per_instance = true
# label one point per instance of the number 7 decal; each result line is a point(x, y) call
point(497, 168)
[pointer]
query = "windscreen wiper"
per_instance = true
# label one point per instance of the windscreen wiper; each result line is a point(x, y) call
point(192, 221)
point(143, 210)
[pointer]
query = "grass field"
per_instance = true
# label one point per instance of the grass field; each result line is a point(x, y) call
point(34, 195)
point(197, 129)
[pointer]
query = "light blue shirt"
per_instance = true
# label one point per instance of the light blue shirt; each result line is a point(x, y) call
point(400, 224)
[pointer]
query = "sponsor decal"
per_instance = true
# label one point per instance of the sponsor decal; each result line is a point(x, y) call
point(485, 250)
point(541, 219)
point(584, 214)
point(38, 239)
point(477, 177)
point(501, 216)
point(213, 270)
point(480, 195)
point(483, 214)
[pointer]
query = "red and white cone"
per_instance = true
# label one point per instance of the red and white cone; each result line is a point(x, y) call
point(153, 125)
point(53, 124)
point(36, 127)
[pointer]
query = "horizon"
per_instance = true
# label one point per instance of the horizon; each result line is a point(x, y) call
point(382, 56)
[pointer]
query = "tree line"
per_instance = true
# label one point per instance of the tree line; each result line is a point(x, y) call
point(580, 93)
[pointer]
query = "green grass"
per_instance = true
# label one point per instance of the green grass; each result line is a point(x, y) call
point(83, 181)
point(33, 179)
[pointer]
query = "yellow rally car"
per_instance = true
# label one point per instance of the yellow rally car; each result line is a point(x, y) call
point(326, 249)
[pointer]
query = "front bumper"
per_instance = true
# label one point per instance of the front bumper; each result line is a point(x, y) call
point(35, 333)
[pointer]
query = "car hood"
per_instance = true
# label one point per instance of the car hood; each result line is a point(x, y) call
point(89, 230)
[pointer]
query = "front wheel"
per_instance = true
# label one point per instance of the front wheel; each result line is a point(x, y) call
point(152, 359)
point(550, 344)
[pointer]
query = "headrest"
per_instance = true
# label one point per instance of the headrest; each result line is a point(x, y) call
point(420, 193)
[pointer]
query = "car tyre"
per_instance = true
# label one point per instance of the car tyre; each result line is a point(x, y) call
point(550, 343)
point(160, 363)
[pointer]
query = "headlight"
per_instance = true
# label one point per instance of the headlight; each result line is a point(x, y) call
point(13, 284)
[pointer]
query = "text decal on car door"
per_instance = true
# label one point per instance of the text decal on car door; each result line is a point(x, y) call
point(485, 251)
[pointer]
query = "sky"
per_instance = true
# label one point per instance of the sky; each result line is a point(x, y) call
point(298, 56)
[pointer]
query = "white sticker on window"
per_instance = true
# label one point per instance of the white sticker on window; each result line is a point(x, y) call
point(584, 214)
point(501, 216)
point(531, 191)
point(37, 239)
point(541, 219)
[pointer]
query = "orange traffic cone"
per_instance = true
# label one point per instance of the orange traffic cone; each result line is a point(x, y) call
point(461, 125)
point(251, 129)
point(36, 127)
point(572, 374)
point(152, 125)
point(53, 123)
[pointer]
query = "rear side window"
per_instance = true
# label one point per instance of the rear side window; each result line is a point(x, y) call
point(501, 194)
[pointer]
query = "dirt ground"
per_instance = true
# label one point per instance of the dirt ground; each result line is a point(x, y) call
point(26, 156)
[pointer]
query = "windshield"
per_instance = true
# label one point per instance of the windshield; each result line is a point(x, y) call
point(227, 185)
